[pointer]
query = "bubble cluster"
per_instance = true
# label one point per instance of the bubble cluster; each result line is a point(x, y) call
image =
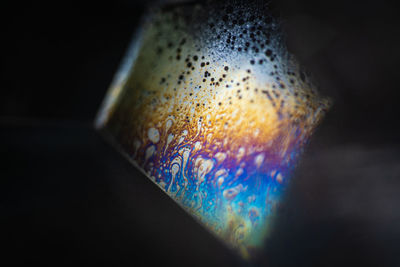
point(215, 111)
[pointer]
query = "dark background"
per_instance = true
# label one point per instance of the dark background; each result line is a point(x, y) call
point(67, 197)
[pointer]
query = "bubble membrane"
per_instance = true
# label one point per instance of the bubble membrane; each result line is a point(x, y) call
point(210, 105)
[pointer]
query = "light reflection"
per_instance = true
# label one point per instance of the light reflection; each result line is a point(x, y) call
point(214, 110)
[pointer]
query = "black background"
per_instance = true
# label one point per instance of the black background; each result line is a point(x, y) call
point(67, 197)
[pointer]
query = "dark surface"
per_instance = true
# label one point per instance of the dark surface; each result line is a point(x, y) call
point(68, 197)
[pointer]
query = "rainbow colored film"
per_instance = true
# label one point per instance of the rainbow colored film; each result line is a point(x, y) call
point(214, 110)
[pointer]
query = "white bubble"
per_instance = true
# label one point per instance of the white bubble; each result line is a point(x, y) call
point(153, 135)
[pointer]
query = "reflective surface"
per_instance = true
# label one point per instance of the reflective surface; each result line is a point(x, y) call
point(213, 109)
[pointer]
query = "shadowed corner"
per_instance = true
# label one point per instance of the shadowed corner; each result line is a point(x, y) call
point(340, 209)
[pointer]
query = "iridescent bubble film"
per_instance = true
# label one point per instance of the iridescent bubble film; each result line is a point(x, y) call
point(214, 110)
